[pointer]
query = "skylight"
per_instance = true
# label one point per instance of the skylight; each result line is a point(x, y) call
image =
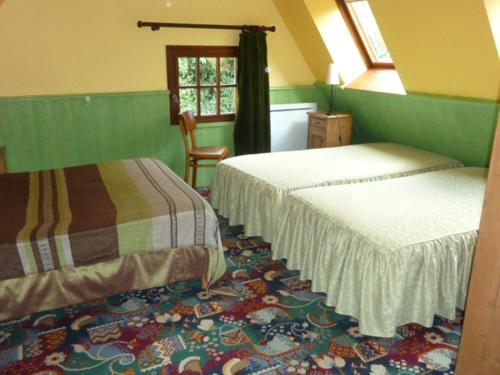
point(363, 25)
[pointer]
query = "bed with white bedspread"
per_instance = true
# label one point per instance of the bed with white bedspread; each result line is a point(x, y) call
point(387, 252)
point(249, 189)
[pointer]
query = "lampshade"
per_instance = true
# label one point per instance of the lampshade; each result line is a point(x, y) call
point(332, 77)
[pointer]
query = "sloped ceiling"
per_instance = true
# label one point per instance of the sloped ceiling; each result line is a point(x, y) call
point(306, 35)
point(493, 11)
point(441, 47)
point(444, 47)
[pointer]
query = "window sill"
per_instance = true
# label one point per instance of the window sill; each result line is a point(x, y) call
point(230, 118)
point(211, 125)
point(379, 80)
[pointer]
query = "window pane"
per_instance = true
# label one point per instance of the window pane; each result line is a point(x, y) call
point(208, 71)
point(228, 70)
point(227, 100)
point(208, 101)
point(367, 25)
point(187, 71)
point(188, 100)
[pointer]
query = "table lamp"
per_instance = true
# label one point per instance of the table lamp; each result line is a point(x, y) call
point(332, 79)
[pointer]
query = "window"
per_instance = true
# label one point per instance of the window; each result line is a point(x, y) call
point(363, 26)
point(202, 79)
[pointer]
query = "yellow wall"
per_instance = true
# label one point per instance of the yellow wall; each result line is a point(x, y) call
point(61, 46)
point(441, 47)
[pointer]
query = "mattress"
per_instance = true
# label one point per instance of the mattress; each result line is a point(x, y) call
point(120, 221)
point(387, 252)
point(249, 189)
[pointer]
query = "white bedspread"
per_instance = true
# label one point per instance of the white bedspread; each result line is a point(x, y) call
point(249, 189)
point(386, 252)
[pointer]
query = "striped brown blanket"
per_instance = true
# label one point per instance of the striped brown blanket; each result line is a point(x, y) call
point(84, 215)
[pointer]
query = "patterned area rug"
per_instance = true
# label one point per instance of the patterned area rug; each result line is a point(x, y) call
point(262, 320)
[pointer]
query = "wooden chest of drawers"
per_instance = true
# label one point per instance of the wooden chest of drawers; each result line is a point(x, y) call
point(329, 131)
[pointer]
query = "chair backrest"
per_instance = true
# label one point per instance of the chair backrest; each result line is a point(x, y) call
point(3, 162)
point(188, 128)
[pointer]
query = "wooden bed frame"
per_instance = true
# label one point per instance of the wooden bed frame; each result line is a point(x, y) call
point(479, 352)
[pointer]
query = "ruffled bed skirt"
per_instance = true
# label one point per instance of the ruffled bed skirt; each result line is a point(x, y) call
point(381, 289)
point(245, 200)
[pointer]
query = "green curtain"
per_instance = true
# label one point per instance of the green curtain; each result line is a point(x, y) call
point(252, 130)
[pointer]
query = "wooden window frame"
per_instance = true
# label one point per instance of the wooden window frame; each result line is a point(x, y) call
point(173, 53)
point(358, 39)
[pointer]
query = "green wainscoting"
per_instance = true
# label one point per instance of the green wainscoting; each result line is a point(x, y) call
point(459, 127)
point(57, 131)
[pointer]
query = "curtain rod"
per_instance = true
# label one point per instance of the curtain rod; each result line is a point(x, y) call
point(156, 26)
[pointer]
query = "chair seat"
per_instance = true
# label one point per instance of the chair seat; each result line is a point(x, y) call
point(209, 152)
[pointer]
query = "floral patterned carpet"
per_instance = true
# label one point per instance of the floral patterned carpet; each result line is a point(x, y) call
point(261, 320)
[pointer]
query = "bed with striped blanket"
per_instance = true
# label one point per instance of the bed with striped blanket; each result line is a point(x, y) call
point(77, 234)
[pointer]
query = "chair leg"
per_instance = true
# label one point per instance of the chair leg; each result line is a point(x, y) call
point(195, 174)
point(186, 174)
point(204, 283)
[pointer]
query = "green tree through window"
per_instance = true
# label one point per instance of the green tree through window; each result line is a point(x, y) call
point(202, 79)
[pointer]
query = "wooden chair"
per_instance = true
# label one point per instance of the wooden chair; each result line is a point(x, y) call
point(194, 153)
point(3, 162)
